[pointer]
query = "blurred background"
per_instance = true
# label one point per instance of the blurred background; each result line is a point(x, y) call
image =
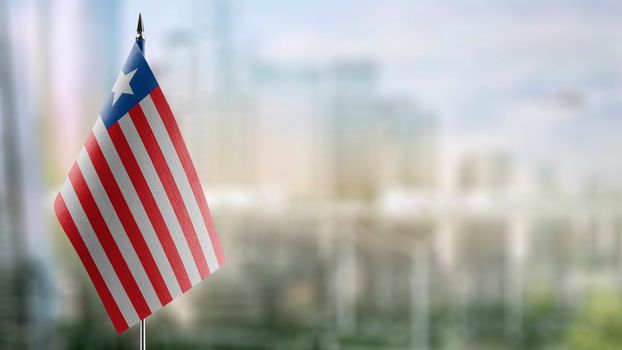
point(383, 174)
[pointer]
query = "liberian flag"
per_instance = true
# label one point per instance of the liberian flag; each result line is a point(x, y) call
point(132, 205)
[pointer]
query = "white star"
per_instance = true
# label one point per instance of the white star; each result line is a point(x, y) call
point(122, 85)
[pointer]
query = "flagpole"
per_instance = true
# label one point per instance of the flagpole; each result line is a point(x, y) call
point(140, 41)
point(143, 337)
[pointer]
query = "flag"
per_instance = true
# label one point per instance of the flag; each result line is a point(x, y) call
point(132, 205)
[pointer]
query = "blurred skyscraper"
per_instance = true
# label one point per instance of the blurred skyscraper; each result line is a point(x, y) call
point(355, 129)
point(25, 272)
point(377, 142)
point(220, 126)
point(288, 104)
point(410, 144)
point(80, 66)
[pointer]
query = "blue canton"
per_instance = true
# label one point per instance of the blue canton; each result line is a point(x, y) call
point(142, 83)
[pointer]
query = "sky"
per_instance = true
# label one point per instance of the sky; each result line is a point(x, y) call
point(540, 79)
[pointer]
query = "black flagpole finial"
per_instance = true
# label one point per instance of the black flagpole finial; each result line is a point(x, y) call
point(139, 28)
point(140, 33)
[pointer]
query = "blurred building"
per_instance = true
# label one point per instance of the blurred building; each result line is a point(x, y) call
point(287, 102)
point(410, 145)
point(354, 129)
point(26, 292)
point(489, 171)
point(375, 142)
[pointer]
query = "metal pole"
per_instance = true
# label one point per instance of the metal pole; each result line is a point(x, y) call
point(143, 338)
point(140, 40)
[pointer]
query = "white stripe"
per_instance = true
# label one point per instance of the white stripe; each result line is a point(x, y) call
point(97, 253)
point(181, 179)
point(116, 229)
point(138, 211)
point(157, 189)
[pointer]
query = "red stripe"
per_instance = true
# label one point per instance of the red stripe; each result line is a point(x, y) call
point(166, 177)
point(127, 219)
point(184, 156)
point(150, 205)
point(68, 225)
point(107, 241)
